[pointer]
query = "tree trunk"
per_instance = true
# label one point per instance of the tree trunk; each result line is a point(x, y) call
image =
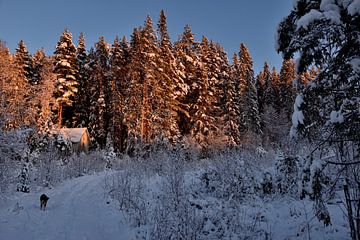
point(144, 108)
point(353, 223)
point(60, 115)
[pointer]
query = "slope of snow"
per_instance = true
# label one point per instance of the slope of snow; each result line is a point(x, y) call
point(76, 209)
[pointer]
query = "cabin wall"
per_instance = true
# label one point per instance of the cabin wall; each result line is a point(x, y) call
point(82, 145)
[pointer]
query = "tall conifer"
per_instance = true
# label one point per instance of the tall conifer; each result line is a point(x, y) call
point(66, 85)
point(82, 99)
point(171, 83)
point(287, 89)
point(119, 66)
point(249, 106)
point(100, 114)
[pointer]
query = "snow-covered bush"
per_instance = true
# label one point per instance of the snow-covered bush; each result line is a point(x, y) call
point(174, 216)
point(287, 169)
point(313, 183)
point(231, 176)
point(48, 167)
point(42, 142)
point(127, 187)
point(11, 146)
point(267, 184)
point(14, 159)
point(79, 165)
point(24, 181)
point(5, 174)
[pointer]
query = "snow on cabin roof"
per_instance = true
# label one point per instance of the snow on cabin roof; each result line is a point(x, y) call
point(74, 134)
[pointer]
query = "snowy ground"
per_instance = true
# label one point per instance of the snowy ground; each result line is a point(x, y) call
point(78, 209)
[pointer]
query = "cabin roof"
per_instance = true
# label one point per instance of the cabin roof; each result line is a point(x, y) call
point(74, 134)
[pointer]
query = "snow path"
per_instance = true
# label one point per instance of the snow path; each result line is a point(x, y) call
point(76, 209)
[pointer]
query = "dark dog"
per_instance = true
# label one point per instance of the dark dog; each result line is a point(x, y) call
point(43, 201)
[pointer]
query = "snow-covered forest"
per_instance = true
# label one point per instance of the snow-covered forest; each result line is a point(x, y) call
point(186, 141)
point(148, 90)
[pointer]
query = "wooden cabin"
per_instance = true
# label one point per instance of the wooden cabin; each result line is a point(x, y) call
point(79, 137)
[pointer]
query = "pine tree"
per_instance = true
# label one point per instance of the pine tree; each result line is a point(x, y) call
point(66, 86)
point(249, 106)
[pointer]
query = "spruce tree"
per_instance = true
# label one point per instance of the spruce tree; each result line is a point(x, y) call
point(23, 185)
point(188, 63)
point(66, 85)
point(307, 77)
point(23, 61)
point(171, 84)
point(5, 63)
point(13, 90)
point(101, 92)
point(133, 92)
point(327, 110)
point(235, 75)
point(249, 105)
point(275, 83)
point(82, 98)
point(118, 70)
point(17, 89)
point(93, 93)
point(144, 88)
point(24, 64)
point(287, 89)
point(44, 96)
point(38, 60)
point(231, 102)
point(36, 86)
point(218, 75)
point(202, 118)
point(260, 87)
point(264, 88)
point(152, 88)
